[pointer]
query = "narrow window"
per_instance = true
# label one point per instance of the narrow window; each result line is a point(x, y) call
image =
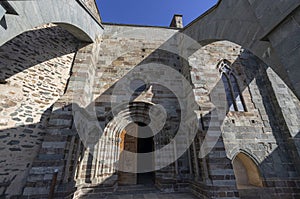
point(233, 94)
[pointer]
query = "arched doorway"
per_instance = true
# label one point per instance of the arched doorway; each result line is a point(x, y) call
point(145, 145)
point(246, 172)
point(132, 142)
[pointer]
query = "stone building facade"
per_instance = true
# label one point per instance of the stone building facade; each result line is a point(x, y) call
point(77, 117)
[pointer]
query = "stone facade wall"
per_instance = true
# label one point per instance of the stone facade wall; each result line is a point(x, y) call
point(110, 63)
point(62, 149)
point(35, 67)
point(261, 132)
point(241, 131)
point(120, 56)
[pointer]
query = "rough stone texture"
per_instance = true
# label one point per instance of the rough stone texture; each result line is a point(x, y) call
point(62, 148)
point(261, 132)
point(249, 126)
point(272, 35)
point(69, 14)
point(109, 63)
point(153, 196)
point(242, 131)
point(269, 30)
point(35, 67)
point(118, 56)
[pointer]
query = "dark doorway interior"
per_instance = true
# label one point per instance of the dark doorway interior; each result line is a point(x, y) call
point(145, 145)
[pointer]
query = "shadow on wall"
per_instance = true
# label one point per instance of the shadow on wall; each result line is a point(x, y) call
point(283, 163)
point(275, 163)
point(17, 143)
point(268, 143)
point(139, 105)
point(34, 47)
point(34, 68)
point(272, 167)
point(279, 167)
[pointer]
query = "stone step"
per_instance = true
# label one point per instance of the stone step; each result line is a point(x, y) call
point(154, 196)
point(128, 189)
point(135, 186)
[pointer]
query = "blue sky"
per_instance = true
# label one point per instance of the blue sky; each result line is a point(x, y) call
point(151, 12)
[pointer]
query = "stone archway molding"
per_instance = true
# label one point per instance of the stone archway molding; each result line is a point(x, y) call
point(268, 29)
point(69, 14)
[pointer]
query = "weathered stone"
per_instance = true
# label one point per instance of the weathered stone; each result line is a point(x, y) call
point(17, 119)
point(28, 131)
point(251, 119)
point(27, 146)
point(14, 114)
point(4, 136)
point(14, 149)
point(13, 142)
point(29, 120)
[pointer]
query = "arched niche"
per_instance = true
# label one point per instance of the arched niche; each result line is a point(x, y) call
point(246, 172)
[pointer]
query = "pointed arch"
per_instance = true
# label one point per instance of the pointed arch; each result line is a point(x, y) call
point(232, 90)
point(246, 172)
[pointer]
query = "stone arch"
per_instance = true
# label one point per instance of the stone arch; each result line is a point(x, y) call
point(258, 32)
point(128, 112)
point(70, 15)
point(35, 68)
point(241, 28)
point(232, 89)
point(247, 172)
point(107, 150)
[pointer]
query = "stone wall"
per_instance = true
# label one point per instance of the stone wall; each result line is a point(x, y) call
point(262, 132)
point(110, 63)
point(282, 30)
point(62, 149)
point(123, 50)
point(272, 36)
point(70, 15)
point(46, 126)
point(35, 67)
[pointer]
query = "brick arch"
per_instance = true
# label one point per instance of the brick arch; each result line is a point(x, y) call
point(70, 15)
